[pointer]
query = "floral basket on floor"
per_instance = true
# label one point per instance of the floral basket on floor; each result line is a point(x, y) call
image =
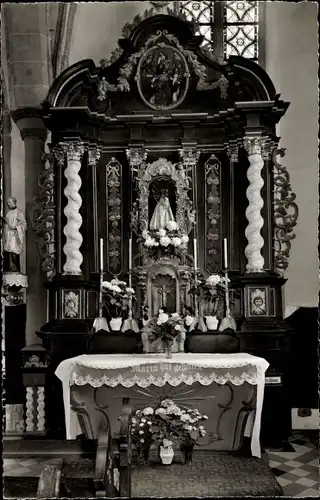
point(166, 424)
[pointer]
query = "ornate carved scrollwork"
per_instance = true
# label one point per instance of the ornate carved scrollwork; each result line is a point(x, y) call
point(164, 168)
point(286, 212)
point(43, 217)
point(114, 215)
point(136, 158)
point(164, 41)
point(212, 197)
point(71, 305)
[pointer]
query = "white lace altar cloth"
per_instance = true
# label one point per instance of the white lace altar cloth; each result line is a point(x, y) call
point(144, 370)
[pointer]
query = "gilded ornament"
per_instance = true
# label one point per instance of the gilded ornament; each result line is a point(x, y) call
point(162, 77)
point(212, 179)
point(286, 213)
point(253, 145)
point(114, 215)
point(258, 302)
point(71, 305)
point(232, 151)
point(43, 214)
point(163, 73)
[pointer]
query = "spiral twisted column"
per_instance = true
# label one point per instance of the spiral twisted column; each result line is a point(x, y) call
point(255, 260)
point(71, 249)
point(30, 424)
point(41, 417)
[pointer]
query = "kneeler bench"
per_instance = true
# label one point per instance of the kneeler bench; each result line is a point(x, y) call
point(74, 468)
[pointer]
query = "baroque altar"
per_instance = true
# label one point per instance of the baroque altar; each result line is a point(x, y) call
point(163, 152)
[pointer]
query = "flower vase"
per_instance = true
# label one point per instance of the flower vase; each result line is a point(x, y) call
point(168, 350)
point(187, 449)
point(115, 324)
point(212, 322)
point(166, 454)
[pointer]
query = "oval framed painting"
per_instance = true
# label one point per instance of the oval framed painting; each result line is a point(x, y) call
point(162, 77)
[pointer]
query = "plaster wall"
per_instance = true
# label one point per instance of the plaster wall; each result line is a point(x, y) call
point(98, 26)
point(292, 63)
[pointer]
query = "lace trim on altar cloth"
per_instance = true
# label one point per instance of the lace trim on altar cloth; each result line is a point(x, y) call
point(159, 381)
point(216, 361)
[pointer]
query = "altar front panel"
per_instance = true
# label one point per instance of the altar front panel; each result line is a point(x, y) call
point(227, 407)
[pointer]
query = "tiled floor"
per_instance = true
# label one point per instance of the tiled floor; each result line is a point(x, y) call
point(297, 471)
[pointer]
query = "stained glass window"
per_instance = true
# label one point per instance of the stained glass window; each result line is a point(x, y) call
point(237, 22)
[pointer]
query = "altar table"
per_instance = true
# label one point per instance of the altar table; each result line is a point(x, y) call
point(147, 371)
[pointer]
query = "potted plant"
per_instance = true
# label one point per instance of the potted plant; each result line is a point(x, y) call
point(213, 291)
point(115, 296)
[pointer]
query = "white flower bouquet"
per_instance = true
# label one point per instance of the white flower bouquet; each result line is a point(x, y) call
point(169, 238)
point(167, 328)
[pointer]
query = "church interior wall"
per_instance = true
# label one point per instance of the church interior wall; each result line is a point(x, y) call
point(102, 23)
point(292, 64)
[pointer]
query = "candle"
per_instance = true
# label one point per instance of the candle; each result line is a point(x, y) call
point(225, 245)
point(101, 255)
point(130, 254)
point(195, 254)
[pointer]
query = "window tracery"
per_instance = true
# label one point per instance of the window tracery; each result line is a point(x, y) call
point(239, 23)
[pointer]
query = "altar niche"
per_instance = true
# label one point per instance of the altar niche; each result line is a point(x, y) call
point(163, 218)
point(162, 202)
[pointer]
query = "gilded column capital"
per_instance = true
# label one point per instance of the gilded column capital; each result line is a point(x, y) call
point(59, 154)
point(253, 145)
point(93, 155)
point(73, 150)
point(267, 148)
point(189, 156)
point(232, 150)
point(136, 156)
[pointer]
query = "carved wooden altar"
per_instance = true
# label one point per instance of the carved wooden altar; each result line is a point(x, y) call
point(164, 118)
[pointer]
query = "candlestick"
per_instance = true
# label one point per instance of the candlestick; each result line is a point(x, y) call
point(101, 254)
point(225, 244)
point(195, 254)
point(130, 254)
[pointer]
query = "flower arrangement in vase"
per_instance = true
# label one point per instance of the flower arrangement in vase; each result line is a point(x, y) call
point(171, 240)
point(115, 296)
point(167, 328)
point(166, 424)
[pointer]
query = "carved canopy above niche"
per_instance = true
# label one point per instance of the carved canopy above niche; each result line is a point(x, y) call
point(160, 59)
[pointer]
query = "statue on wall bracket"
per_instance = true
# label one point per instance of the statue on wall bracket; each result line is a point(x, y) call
point(13, 230)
